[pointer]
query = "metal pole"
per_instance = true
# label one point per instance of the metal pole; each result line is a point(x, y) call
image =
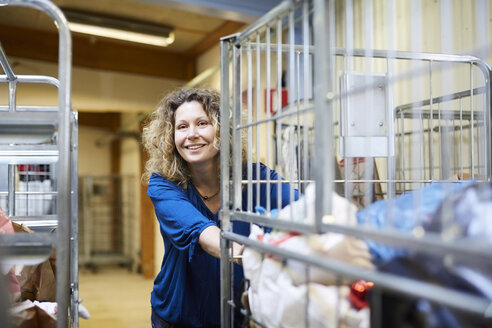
point(225, 267)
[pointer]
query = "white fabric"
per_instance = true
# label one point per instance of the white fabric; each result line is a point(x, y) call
point(276, 302)
point(278, 292)
point(49, 307)
point(330, 245)
point(303, 210)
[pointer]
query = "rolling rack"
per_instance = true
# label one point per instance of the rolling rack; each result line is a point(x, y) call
point(38, 146)
point(418, 119)
point(106, 232)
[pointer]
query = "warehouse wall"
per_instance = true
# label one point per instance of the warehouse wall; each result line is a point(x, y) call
point(94, 90)
point(419, 26)
point(93, 160)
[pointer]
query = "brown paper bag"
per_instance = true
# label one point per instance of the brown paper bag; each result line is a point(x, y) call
point(38, 282)
point(28, 315)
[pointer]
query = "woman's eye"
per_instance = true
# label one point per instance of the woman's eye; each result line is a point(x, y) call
point(181, 127)
point(203, 123)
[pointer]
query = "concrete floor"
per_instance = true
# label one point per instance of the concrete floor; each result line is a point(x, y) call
point(114, 298)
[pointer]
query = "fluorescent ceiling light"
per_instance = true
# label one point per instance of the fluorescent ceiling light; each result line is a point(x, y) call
point(120, 28)
point(113, 33)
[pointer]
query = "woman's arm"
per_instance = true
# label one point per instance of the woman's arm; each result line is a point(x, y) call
point(209, 240)
point(179, 220)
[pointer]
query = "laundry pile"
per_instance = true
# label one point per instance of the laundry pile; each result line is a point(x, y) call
point(288, 293)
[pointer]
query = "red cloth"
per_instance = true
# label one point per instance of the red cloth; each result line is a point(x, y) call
point(5, 223)
point(358, 293)
point(10, 278)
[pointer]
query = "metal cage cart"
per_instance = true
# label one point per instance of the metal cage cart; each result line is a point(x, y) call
point(106, 231)
point(381, 143)
point(38, 164)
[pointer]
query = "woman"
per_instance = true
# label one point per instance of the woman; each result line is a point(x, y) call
point(182, 140)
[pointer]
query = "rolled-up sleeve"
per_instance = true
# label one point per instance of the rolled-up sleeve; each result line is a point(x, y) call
point(179, 220)
point(267, 173)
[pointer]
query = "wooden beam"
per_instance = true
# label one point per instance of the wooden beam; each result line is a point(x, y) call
point(147, 221)
point(213, 39)
point(117, 235)
point(116, 146)
point(105, 120)
point(98, 53)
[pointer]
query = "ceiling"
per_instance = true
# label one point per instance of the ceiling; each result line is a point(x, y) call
point(198, 26)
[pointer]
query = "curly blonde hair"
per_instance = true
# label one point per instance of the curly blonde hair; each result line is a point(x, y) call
point(158, 135)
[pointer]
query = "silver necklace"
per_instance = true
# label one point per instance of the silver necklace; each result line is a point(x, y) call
point(208, 197)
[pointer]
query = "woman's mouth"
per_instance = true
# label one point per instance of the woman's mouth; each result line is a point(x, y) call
point(194, 147)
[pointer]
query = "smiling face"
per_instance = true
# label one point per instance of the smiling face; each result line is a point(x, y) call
point(194, 134)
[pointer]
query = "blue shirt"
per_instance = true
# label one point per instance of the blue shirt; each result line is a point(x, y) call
point(187, 289)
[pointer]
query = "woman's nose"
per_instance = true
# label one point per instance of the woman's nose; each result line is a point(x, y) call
point(192, 132)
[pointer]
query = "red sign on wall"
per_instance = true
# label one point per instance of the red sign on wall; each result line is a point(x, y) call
point(274, 99)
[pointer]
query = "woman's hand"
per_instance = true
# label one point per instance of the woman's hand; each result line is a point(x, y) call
point(209, 240)
point(237, 253)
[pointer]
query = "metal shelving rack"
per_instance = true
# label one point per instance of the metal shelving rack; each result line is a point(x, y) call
point(398, 108)
point(58, 152)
